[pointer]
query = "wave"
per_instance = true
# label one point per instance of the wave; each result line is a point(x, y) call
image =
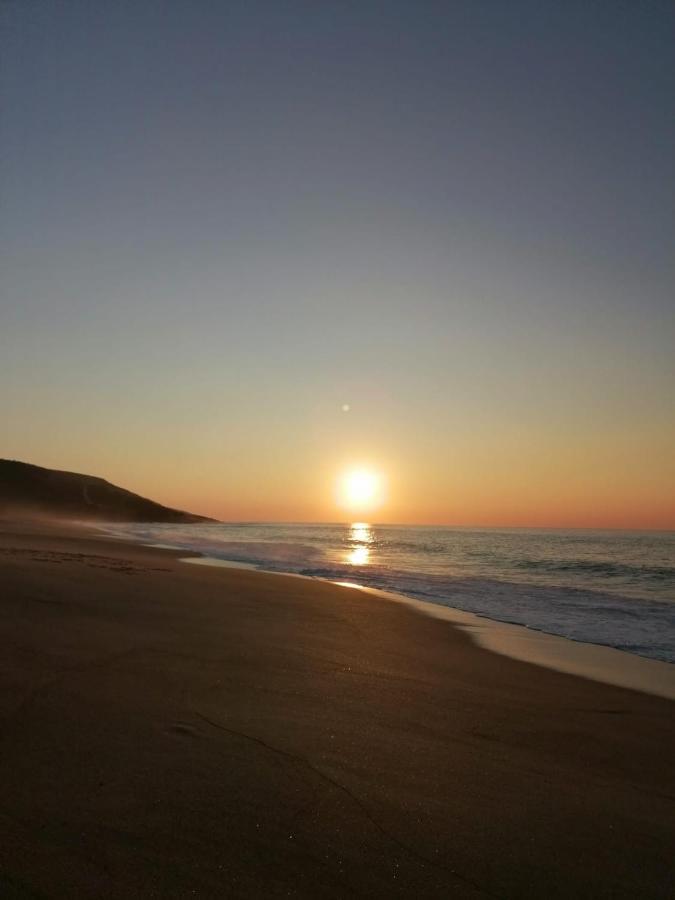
point(592, 567)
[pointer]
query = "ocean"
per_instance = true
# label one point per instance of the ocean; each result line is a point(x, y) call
point(603, 587)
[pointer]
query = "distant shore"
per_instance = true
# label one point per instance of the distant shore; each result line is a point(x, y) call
point(171, 729)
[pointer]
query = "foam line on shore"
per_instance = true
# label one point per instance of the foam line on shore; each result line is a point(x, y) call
point(594, 661)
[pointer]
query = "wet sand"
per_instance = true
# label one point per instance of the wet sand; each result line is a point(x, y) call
point(605, 664)
point(170, 731)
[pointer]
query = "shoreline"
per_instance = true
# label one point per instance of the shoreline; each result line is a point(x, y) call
point(172, 729)
point(644, 631)
point(599, 662)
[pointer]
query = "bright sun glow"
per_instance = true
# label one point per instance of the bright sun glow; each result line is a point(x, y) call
point(361, 489)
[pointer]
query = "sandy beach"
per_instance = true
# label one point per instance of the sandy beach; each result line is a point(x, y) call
point(172, 730)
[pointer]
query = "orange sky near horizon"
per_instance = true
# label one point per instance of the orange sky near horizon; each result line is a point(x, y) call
point(488, 480)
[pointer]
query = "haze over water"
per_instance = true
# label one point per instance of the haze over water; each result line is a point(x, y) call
point(603, 587)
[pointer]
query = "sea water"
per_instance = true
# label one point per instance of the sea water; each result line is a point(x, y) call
point(614, 588)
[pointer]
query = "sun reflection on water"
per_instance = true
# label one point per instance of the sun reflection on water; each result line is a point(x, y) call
point(360, 536)
point(361, 532)
point(358, 556)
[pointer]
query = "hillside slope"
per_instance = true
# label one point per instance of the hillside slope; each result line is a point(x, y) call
point(28, 489)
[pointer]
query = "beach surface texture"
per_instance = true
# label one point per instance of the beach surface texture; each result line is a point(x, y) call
point(170, 730)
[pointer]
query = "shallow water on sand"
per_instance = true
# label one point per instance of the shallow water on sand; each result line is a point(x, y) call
point(603, 587)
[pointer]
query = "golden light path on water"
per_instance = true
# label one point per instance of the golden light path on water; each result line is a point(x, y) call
point(360, 537)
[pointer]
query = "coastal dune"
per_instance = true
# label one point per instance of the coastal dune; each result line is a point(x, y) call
point(28, 490)
point(172, 730)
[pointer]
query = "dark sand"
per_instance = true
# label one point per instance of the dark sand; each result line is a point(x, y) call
point(174, 731)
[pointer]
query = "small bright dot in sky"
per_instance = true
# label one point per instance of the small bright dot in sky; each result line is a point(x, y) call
point(346, 407)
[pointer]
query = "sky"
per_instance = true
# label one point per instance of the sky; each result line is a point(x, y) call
point(222, 222)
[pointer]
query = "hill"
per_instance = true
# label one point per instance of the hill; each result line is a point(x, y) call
point(28, 489)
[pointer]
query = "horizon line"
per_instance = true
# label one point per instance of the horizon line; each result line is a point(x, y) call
point(373, 524)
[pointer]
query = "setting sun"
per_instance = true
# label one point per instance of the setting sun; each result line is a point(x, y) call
point(361, 489)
